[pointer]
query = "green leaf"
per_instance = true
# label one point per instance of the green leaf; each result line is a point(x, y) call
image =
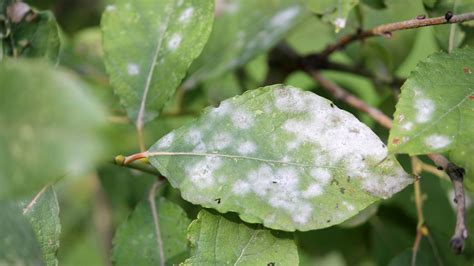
point(43, 215)
point(149, 46)
point(435, 112)
point(225, 240)
point(279, 156)
point(333, 11)
point(242, 30)
point(135, 242)
point(38, 37)
point(18, 245)
point(50, 127)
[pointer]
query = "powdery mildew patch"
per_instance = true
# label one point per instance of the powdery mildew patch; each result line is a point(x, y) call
point(424, 107)
point(133, 69)
point(174, 42)
point(294, 185)
point(186, 15)
point(437, 141)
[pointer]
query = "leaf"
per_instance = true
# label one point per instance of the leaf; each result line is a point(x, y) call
point(38, 37)
point(43, 214)
point(18, 245)
point(135, 241)
point(242, 30)
point(435, 113)
point(279, 156)
point(333, 11)
point(50, 127)
point(224, 240)
point(149, 46)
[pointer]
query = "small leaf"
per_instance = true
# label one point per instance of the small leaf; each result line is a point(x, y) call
point(38, 37)
point(436, 110)
point(243, 29)
point(224, 240)
point(50, 127)
point(279, 156)
point(18, 245)
point(333, 11)
point(135, 242)
point(43, 215)
point(149, 46)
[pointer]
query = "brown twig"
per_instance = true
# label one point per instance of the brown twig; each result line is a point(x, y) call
point(387, 29)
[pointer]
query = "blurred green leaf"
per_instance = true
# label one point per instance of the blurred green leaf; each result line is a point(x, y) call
point(334, 11)
point(43, 214)
point(18, 244)
point(270, 156)
point(149, 46)
point(135, 242)
point(50, 127)
point(242, 30)
point(224, 240)
point(432, 119)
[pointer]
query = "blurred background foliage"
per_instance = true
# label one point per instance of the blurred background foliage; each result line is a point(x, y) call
point(93, 205)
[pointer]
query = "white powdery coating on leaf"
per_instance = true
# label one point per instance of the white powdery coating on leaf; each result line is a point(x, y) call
point(242, 119)
point(424, 109)
point(387, 185)
point(133, 69)
point(223, 109)
point(340, 23)
point(241, 187)
point(287, 101)
point(246, 148)
point(437, 141)
point(302, 213)
point(349, 206)
point(202, 173)
point(194, 136)
point(186, 15)
point(284, 17)
point(110, 8)
point(321, 174)
point(166, 141)
point(407, 126)
point(313, 190)
point(220, 141)
point(174, 42)
point(261, 180)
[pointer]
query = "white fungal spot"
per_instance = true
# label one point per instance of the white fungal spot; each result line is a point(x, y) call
point(340, 23)
point(110, 8)
point(133, 69)
point(349, 206)
point(241, 187)
point(313, 190)
point(302, 213)
point(174, 42)
point(246, 148)
point(261, 180)
point(202, 173)
point(287, 101)
point(321, 174)
point(284, 17)
point(223, 109)
point(242, 119)
point(220, 140)
point(407, 126)
point(194, 136)
point(424, 108)
point(166, 141)
point(437, 141)
point(186, 15)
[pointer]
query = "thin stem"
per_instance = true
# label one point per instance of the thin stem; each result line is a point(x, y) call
point(138, 164)
point(452, 30)
point(156, 220)
point(420, 229)
point(141, 141)
point(387, 29)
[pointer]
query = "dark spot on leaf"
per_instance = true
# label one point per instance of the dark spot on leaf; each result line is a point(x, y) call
point(348, 179)
point(383, 146)
point(274, 182)
point(337, 206)
point(342, 190)
point(448, 16)
point(455, 200)
point(467, 70)
point(335, 182)
point(328, 221)
point(218, 200)
point(421, 17)
point(332, 105)
point(354, 130)
point(271, 264)
point(471, 97)
point(395, 141)
point(440, 168)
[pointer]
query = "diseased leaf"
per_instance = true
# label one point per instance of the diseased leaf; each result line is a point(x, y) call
point(49, 127)
point(135, 242)
point(43, 214)
point(242, 30)
point(18, 245)
point(225, 240)
point(279, 156)
point(37, 36)
point(333, 11)
point(435, 112)
point(149, 46)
